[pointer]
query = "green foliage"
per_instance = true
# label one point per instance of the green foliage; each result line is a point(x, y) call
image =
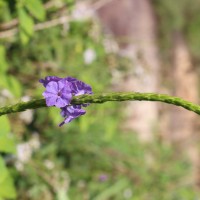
point(179, 16)
point(5, 12)
point(3, 63)
point(14, 86)
point(36, 8)
point(7, 145)
point(113, 190)
point(7, 189)
point(26, 25)
point(142, 170)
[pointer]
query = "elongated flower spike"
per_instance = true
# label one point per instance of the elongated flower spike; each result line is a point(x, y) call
point(84, 100)
point(60, 91)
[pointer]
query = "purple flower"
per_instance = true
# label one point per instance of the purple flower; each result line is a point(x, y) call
point(79, 87)
point(58, 93)
point(71, 112)
point(103, 178)
point(49, 79)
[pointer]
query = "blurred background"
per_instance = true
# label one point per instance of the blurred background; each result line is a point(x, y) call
point(117, 151)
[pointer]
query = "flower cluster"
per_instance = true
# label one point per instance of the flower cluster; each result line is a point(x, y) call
point(59, 93)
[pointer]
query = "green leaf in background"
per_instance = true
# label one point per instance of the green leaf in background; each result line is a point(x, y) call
point(7, 143)
point(112, 190)
point(3, 170)
point(26, 26)
point(14, 86)
point(7, 189)
point(5, 11)
point(4, 125)
point(57, 119)
point(36, 8)
point(70, 4)
point(3, 63)
point(3, 81)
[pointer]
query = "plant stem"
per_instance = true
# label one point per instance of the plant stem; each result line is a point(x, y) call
point(105, 97)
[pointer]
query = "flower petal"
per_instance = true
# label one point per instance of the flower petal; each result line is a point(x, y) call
point(66, 89)
point(52, 87)
point(67, 97)
point(61, 84)
point(73, 111)
point(49, 79)
point(48, 94)
point(71, 79)
point(50, 101)
point(61, 102)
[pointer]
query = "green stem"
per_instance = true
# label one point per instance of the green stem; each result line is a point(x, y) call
point(102, 98)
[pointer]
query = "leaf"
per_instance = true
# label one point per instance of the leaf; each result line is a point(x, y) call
point(7, 189)
point(3, 81)
point(112, 190)
point(3, 171)
point(26, 26)
point(57, 119)
point(7, 142)
point(36, 8)
point(4, 124)
point(14, 86)
point(84, 124)
point(3, 62)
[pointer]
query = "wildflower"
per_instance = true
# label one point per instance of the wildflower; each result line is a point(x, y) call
point(103, 178)
point(79, 87)
point(70, 113)
point(58, 93)
point(49, 79)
